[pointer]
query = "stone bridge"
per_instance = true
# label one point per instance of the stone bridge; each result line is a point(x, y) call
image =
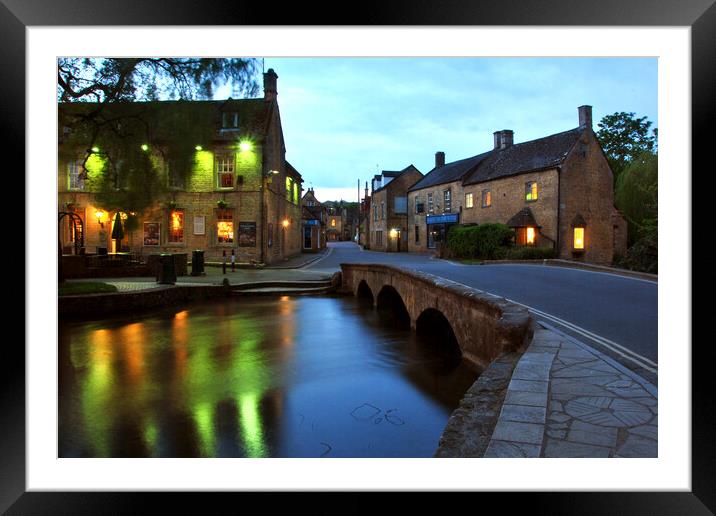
point(483, 325)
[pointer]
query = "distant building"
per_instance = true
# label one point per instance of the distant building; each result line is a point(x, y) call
point(313, 223)
point(389, 209)
point(555, 192)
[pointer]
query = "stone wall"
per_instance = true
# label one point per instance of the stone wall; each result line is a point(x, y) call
point(485, 326)
point(418, 219)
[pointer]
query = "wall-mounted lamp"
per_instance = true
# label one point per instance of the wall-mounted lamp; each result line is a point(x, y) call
point(285, 223)
point(245, 146)
point(199, 148)
point(393, 233)
point(95, 149)
point(100, 217)
point(145, 147)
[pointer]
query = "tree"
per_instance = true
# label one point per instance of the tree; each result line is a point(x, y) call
point(129, 142)
point(624, 138)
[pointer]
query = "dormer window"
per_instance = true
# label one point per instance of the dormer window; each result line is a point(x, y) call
point(229, 120)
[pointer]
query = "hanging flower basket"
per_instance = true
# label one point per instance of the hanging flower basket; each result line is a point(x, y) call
point(70, 206)
point(222, 204)
point(171, 205)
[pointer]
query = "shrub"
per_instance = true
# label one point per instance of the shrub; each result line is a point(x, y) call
point(643, 256)
point(529, 253)
point(486, 241)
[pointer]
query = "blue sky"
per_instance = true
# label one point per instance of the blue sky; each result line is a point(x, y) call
point(343, 116)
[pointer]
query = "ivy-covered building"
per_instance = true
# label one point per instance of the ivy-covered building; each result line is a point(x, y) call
point(180, 175)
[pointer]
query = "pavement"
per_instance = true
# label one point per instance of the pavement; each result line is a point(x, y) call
point(566, 399)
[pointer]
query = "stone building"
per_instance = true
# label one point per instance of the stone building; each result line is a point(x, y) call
point(240, 194)
point(555, 192)
point(389, 209)
point(313, 224)
point(364, 220)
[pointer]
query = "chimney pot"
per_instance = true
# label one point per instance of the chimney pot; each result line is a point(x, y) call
point(439, 159)
point(585, 116)
point(507, 137)
point(270, 91)
point(498, 139)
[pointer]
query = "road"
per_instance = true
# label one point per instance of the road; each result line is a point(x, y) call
point(616, 314)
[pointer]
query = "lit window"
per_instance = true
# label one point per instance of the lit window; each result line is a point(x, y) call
point(468, 200)
point(486, 198)
point(176, 226)
point(430, 203)
point(76, 178)
point(579, 238)
point(225, 170)
point(224, 227)
point(447, 200)
point(531, 191)
point(333, 223)
point(289, 189)
point(530, 236)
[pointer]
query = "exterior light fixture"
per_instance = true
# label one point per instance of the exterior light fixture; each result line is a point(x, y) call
point(285, 223)
point(393, 233)
point(145, 147)
point(245, 146)
point(100, 216)
point(274, 172)
point(95, 149)
point(198, 147)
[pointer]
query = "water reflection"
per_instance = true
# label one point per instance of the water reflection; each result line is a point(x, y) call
point(285, 377)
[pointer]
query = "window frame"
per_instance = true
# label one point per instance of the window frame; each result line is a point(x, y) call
point(76, 164)
point(447, 200)
point(486, 198)
point(170, 240)
point(221, 159)
point(528, 191)
point(469, 201)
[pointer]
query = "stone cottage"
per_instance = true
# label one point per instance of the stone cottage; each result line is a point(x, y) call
point(555, 192)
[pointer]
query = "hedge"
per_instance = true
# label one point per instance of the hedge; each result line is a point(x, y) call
point(486, 241)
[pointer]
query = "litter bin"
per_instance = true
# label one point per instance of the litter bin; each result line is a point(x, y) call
point(197, 263)
point(167, 272)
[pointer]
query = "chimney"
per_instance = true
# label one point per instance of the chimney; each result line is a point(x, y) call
point(439, 159)
point(585, 116)
point(507, 137)
point(498, 139)
point(270, 84)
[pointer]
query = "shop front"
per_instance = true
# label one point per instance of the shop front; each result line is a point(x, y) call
point(438, 227)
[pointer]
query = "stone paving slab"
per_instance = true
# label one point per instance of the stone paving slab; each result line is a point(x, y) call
point(566, 400)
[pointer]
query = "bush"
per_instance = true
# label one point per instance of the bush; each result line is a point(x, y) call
point(529, 253)
point(643, 256)
point(486, 241)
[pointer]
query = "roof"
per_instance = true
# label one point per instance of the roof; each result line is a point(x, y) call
point(522, 219)
point(254, 114)
point(539, 154)
point(397, 174)
point(449, 172)
point(292, 171)
point(312, 213)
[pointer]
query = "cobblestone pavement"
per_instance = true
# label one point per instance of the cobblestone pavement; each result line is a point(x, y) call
point(567, 400)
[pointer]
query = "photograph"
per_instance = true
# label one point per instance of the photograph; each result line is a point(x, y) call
point(485, 229)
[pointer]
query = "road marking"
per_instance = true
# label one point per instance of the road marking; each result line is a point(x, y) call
point(310, 264)
point(620, 350)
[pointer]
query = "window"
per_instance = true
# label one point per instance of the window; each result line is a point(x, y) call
point(447, 200)
point(401, 205)
point(289, 189)
point(378, 238)
point(296, 193)
point(382, 210)
point(468, 200)
point(417, 234)
point(531, 191)
point(224, 227)
point(176, 226)
point(430, 203)
point(525, 236)
point(375, 213)
point(579, 238)
point(229, 120)
point(75, 175)
point(530, 236)
point(333, 223)
point(486, 198)
point(225, 170)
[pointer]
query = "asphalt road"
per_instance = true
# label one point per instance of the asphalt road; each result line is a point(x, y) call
point(615, 314)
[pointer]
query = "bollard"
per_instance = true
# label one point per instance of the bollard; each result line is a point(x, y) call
point(167, 270)
point(223, 262)
point(197, 263)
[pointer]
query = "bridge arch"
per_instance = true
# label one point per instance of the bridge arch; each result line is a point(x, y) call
point(390, 300)
point(364, 292)
point(435, 326)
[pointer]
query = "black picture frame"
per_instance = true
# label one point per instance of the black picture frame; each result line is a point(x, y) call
point(700, 15)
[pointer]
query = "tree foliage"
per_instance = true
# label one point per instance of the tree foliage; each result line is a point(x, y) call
point(624, 138)
point(135, 140)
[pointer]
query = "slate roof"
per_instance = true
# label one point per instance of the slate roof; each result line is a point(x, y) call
point(522, 219)
point(449, 172)
point(539, 154)
point(394, 175)
point(292, 171)
point(163, 116)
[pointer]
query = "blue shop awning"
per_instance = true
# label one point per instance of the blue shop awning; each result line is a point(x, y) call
point(449, 218)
